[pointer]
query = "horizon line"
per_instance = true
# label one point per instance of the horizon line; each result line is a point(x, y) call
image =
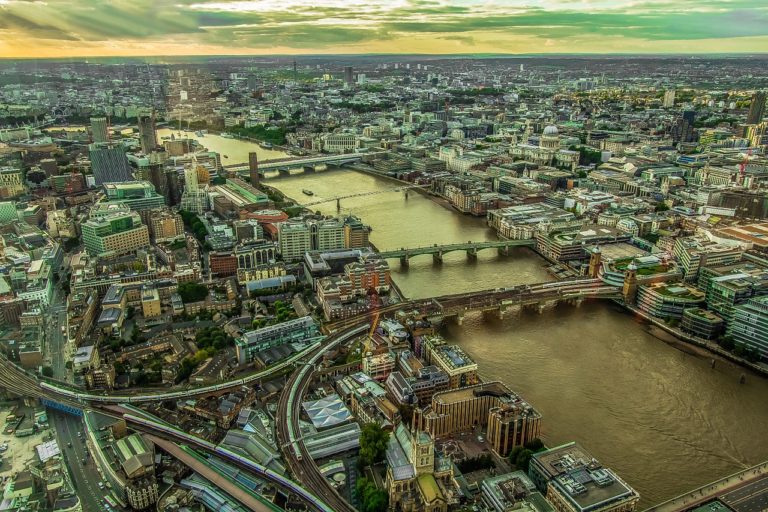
point(407, 55)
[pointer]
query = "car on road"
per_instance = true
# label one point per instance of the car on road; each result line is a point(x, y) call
point(101, 485)
point(69, 445)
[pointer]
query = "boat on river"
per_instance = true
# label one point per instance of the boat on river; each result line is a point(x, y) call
point(308, 192)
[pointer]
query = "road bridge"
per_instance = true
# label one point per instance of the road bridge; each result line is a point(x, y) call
point(437, 251)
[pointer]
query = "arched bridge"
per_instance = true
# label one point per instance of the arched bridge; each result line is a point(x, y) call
point(471, 248)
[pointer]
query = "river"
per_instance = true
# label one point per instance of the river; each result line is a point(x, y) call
point(648, 407)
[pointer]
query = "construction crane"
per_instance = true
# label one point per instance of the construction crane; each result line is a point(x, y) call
point(369, 339)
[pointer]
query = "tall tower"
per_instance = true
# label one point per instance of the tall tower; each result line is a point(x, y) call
point(629, 290)
point(756, 108)
point(99, 129)
point(147, 134)
point(253, 168)
point(348, 78)
point(595, 258)
point(669, 98)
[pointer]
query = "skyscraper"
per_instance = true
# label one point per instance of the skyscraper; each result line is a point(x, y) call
point(683, 130)
point(669, 98)
point(99, 129)
point(253, 167)
point(147, 133)
point(348, 76)
point(756, 108)
point(109, 163)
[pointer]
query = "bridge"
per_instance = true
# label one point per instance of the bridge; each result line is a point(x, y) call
point(504, 301)
point(284, 164)
point(338, 199)
point(471, 248)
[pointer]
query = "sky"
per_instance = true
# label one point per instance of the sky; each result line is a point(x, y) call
point(82, 28)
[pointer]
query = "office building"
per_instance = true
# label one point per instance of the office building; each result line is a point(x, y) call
point(756, 108)
point(8, 212)
point(355, 233)
point(147, 133)
point(99, 129)
point(137, 195)
point(300, 330)
point(749, 326)
point(451, 359)
point(513, 492)
point(574, 481)
point(297, 237)
point(109, 164)
point(114, 234)
point(665, 300)
point(669, 98)
point(349, 77)
point(701, 323)
point(165, 225)
point(509, 419)
point(683, 129)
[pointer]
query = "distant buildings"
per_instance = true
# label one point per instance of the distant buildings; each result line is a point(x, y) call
point(756, 108)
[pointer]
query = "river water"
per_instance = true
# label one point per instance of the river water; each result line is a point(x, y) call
point(648, 407)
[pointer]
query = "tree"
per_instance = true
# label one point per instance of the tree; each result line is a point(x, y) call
point(192, 292)
point(535, 445)
point(523, 459)
point(372, 499)
point(47, 371)
point(373, 444)
point(662, 207)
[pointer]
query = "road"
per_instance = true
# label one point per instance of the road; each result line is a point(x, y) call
point(85, 477)
point(753, 497)
point(56, 345)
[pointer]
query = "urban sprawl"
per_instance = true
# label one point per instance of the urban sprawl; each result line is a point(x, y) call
point(176, 333)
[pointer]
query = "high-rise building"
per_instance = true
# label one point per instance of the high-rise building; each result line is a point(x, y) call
point(109, 163)
point(114, 234)
point(756, 108)
point(99, 129)
point(669, 98)
point(253, 168)
point(348, 75)
point(683, 130)
point(147, 134)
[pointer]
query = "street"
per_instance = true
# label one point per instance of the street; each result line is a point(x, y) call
point(85, 477)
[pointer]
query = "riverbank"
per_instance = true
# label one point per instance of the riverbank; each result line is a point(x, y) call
point(710, 346)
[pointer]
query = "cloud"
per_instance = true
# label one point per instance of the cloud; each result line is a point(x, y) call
point(241, 26)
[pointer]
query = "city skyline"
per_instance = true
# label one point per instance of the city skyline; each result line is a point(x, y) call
point(76, 28)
